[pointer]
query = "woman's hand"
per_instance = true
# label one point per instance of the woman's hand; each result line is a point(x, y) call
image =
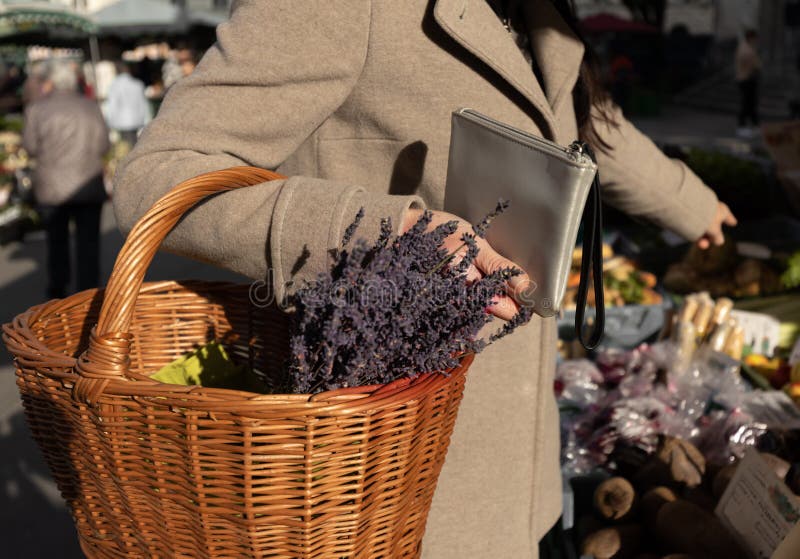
point(487, 261)
point(714, 234)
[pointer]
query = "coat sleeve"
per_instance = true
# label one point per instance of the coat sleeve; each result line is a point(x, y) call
point(276, 73)
point(640, 180)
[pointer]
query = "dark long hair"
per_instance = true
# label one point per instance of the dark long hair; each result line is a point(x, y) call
point(589, 92)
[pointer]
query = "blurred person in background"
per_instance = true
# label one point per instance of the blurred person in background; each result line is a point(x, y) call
point(34, 87)
point(180, 63)
point(127, 109)
point(187, 59)
point(68, 137)
point(748, 67)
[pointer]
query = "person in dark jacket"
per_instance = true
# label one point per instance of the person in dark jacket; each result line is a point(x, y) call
point(67, 135)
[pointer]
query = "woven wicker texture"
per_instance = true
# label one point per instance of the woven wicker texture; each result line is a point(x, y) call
point(156, 470)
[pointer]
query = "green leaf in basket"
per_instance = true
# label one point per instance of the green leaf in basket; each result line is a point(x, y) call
point(207, 366)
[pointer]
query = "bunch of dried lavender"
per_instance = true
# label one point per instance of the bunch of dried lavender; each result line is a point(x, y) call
point(393, 309)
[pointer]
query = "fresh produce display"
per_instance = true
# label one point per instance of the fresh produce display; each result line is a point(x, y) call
point(12, 158)
point(658, 439)
point(652, 437)
point(17, 214)
point(662, 515)
point(623, 282)
point(776, 370)
point(791, 277)
point(724, 273)
point(702, 323)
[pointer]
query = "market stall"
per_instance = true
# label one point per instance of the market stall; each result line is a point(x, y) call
point(137, 18)
point(681, 432)
point(30, 32)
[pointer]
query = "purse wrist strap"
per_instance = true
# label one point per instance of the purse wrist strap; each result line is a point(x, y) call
point(591, 262)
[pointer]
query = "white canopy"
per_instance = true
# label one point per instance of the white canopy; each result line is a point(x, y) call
point(132, 17)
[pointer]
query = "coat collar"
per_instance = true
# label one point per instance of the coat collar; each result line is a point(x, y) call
point(557, 50)
point(474, 25)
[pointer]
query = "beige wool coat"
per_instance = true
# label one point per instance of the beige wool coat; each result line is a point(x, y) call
point(352, 100)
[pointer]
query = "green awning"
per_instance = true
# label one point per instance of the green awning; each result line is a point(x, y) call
point(20, 21)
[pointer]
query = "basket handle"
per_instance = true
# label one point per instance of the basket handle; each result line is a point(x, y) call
point(109, 343)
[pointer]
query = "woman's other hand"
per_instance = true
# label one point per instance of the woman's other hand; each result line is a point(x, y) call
point(487, 261)
point(714, 234)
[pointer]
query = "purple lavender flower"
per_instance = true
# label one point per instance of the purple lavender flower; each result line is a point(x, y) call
point(483, 225)
point(392, 309)
point(351, 229)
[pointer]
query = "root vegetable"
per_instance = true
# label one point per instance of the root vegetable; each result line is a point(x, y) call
point(614, 498)
point(652, 501)
point(686, 464)
point(722, 310)
point(700, 497)
point(617, 542)
point(684, 527)
point(702, 319)
point(676, 463)
point(588, 524)
point(748, 272)
point(689, 308)
point(734, 346)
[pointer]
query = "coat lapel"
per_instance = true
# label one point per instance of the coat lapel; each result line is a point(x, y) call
point(474, 25)
point(557, 50)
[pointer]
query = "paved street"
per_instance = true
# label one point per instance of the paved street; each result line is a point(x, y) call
point(33, 521)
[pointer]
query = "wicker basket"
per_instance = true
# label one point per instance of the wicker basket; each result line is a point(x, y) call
point(157, 470)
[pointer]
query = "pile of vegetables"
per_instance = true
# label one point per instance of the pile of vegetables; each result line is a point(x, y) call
point(724, 273)
point(624, 283)
point(655, 434)
point(662, 505)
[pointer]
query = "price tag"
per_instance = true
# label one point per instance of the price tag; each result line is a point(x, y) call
point(758, 508)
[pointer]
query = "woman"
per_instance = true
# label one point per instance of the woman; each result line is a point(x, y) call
point(353, 104)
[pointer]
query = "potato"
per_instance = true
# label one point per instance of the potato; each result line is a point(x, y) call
point(677, 463)
point(700, 497)
point(617, 542)
point(614, 498)
point(651, 503)
point(683, 527)
point(687, 464)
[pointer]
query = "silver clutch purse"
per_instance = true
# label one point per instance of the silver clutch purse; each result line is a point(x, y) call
point(549, 187)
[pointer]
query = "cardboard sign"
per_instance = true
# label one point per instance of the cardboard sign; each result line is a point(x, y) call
point(759, 509)
point(761, 331)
